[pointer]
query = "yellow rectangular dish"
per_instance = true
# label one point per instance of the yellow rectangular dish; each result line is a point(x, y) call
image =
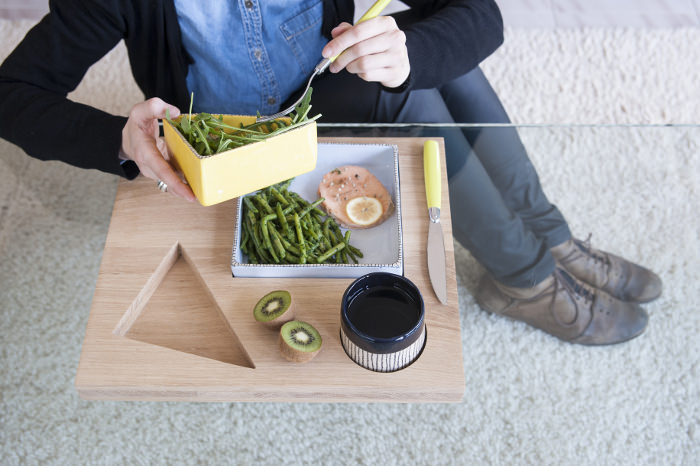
point(223, 176)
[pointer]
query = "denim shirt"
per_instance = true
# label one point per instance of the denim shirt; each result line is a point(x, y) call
point(249, 55)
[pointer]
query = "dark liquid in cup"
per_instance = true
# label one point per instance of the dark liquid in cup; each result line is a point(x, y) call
point(384, 311)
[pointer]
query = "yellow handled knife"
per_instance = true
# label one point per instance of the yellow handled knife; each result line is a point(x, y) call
point(436, 243)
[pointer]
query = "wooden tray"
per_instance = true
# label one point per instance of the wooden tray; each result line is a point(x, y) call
point(169, 323)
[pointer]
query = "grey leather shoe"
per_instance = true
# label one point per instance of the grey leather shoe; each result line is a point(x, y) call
point(566, 308)
point(616, 276)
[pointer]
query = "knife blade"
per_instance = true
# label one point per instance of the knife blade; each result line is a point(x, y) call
point(436, 242)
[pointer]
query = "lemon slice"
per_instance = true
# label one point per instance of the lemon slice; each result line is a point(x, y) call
point(364, 210)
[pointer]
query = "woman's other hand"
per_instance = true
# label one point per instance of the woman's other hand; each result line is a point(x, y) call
point(375, 50)
point(142, 144)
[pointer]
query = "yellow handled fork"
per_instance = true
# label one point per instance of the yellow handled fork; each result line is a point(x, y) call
point(372, 12)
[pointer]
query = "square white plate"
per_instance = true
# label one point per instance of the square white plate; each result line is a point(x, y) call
point(381, 246)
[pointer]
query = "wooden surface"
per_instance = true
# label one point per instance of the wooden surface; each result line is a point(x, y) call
point(168, 321)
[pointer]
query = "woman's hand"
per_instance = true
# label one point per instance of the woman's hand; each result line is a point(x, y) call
point(141, 143)
point(375, 50)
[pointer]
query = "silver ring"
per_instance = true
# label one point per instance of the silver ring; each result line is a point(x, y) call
point(162, 186)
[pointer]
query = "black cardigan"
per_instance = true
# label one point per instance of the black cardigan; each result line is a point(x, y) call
point(445, 39)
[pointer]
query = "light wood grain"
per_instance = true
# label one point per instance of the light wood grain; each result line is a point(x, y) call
point(182, 315)
point(173, 324)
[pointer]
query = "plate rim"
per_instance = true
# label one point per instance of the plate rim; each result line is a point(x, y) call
point(399, 230)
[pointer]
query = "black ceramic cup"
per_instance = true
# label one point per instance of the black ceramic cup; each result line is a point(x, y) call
point(382, 322)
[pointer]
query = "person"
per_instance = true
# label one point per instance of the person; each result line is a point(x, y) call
point(246, 56)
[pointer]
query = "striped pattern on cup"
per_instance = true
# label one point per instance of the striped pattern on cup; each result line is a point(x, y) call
point(383, 362)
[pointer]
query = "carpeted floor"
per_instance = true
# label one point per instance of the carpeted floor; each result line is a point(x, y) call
point(529, 398)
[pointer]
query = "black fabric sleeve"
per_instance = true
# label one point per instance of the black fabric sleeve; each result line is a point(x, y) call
point(446, 39)
point(50, 62)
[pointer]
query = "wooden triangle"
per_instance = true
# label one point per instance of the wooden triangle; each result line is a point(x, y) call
point(176, 310)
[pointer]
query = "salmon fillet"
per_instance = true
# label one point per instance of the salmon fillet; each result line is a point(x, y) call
point(343, 184)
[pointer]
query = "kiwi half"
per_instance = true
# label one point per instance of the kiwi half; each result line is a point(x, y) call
point(274, 309)
point(299, 341)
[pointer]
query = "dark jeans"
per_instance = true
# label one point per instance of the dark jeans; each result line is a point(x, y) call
point(499, 211)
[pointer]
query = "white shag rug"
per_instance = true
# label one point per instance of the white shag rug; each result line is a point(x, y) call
point(530, 399)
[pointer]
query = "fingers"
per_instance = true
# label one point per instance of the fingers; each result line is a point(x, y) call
point(163, 171)
point(162, 148)
point(351, 35)
point(383, 75)
point(153, 109)
point(140, 143)
point(393, 43)
point(370, 69)
point(154, 166)
point(375, 50)
point(339, 29)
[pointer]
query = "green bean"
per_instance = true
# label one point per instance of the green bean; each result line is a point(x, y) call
point(308, 208)
point(244, 233)
point(265, 257)
point(266, 234)
point(335, 239)
point(302, 256)
point(314, 247)
point(244, 239)
point(249, 225)
point(355, 251)
point(287, 245)
point(281, 227)
point(278, 196)
point(297, 225)
point(282, 220)
point(308, 229)
point(292, 259)
point(300, 238)
point(250, 252)
point(325, 244)
point(264, 251)
point(273, 255)
point(316, 230)
point(323, 241)
point(291, 248)
point(330, 252)
point(280, 249)
point(297, 197)
point(344, 252)
point(249, 204)
point(251, 216)
point(263, 203)
point(319, 214)
point(257, 246)
point(337, 231)
point(318, 227)
point(347, 251)
point(284, 185)
point(326, 228)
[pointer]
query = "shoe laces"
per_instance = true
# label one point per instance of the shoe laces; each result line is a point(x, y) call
point(586, 248)
point(574, 288)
